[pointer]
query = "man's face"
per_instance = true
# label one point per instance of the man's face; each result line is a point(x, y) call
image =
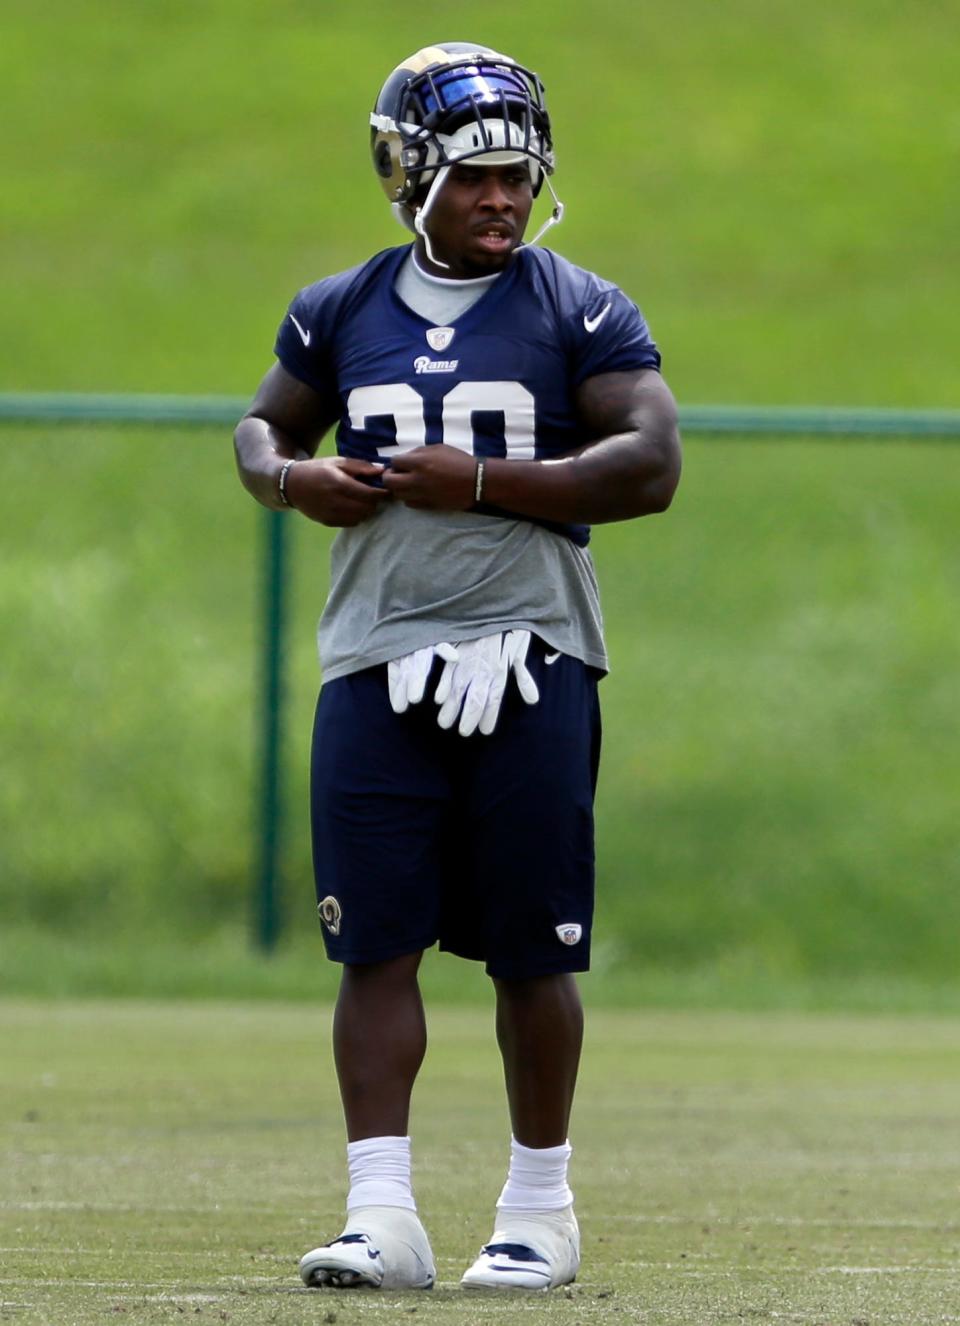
point(477, 219)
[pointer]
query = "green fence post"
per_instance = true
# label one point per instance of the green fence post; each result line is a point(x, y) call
point(267, 909)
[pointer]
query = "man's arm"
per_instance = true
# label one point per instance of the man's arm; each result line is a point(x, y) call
point(630, 466)
point(287, 421)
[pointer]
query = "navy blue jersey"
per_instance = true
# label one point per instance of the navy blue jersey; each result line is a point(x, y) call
point(500, 381)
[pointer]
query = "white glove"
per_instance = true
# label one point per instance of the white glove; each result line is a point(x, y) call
point(407, 676)
point(516, 644)
point(472, 685)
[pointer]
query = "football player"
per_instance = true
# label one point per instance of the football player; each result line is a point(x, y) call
point(492, 402)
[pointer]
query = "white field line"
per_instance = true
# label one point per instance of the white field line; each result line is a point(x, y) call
point(217, 1208)
point(833, 1162)
point(281, 1258)
point(640, 1218)
point(887, 1270)
point(141, 1253)
point(165, 1293)
point(817, 1319)
point(688, 1272)
point(727, 1272)
point(800, 1222)
point(162, 1289)
point(448, 1291)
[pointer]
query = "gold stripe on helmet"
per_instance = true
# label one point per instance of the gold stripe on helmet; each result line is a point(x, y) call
point(422, 59)
point(429, 55)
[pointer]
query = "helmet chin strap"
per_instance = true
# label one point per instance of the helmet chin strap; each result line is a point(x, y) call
point(555, 217)
point(420, 217)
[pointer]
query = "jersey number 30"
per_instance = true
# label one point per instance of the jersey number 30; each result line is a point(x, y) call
point(399, 401)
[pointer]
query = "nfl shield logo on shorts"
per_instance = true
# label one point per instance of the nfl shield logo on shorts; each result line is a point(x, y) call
point(438, 338)
point(570, 933)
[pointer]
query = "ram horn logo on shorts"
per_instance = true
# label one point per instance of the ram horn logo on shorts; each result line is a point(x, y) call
point(330, 914)
point(438, 338)
point(571, 933)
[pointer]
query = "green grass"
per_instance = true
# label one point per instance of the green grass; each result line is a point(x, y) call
point(778, 792)
point(226, 965)
point(775, 185)
point(777, 188)
point(165, 1161)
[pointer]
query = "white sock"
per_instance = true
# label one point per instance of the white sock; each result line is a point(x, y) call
point(537, 1179)
point(379, 1169)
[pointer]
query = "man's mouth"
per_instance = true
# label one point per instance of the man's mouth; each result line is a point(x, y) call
point(494, 237)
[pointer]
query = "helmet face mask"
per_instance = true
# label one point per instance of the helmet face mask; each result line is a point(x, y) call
point(456, 102)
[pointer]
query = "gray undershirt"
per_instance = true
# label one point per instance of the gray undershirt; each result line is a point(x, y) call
point(406, 579)
point(434, 297)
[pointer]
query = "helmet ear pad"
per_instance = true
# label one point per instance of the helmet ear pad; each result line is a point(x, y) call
point(382, 157)
point(385, 149)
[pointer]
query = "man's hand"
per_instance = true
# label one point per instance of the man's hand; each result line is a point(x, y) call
point(332, 492)
point(436, 478)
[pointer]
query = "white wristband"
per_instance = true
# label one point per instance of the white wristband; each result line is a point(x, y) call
point(478, 482)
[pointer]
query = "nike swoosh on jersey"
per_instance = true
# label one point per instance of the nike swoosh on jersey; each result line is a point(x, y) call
point(591, 324)
point(551, 658)
point(305, 335)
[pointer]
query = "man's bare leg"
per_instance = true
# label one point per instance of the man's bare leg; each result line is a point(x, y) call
point(540, 1032)
point(536, 1241)
point(379, 1040)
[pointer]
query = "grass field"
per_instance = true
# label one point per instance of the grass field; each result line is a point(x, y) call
point(778, 794)
point(169, 1161)
point(775, 185)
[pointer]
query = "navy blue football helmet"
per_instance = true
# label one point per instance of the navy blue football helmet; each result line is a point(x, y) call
point(457, 102)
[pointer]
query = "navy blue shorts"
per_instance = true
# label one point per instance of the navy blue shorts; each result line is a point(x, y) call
point(482, 843)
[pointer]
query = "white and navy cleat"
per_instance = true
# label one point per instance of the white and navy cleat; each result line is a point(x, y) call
point(537, 1251)
point(382, 1247)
